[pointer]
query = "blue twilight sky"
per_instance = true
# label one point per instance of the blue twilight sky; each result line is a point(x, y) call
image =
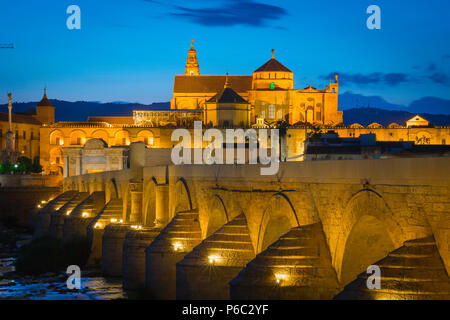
point(130, 50)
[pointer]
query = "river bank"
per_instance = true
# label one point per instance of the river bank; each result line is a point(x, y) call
point(48, 286)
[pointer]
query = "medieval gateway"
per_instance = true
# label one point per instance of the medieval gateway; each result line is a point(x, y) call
point(199, 231)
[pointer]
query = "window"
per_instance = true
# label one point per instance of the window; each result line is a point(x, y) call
point(57, 141)
point(280, 114)
point(318, 116)
point(443, 141)
point(1, 133)
point(263, 114)
point(124, 141)
point(31, 135)
point(57, 160)
point(24, 134)
point(271, 111)
point(78, 140)
point(272, 86)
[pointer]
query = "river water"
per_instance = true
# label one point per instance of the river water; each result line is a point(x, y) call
point(92, 288)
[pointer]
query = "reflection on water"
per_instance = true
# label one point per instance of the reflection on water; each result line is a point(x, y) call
point(92, 288)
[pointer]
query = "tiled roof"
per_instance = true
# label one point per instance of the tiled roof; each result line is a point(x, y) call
point(45, 102)
point(272, 65)
point(227, 95)
point(19, 118)
point(112, 120)
point(210, 84)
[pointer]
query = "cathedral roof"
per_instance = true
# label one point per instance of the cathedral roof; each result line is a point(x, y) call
point(210, 84)
point(45, 102)
point(272, 65)
point(19, 118)
point(227, 95)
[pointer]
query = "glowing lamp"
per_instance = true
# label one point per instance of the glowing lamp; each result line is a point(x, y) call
point(113, 220)
point(39, 206)
point(98, 225)
point(85, 214)
point(280, 277)
point(213, 259)
point(121, 220)
point(177, 246)
point(43, 201)
point(68, 212)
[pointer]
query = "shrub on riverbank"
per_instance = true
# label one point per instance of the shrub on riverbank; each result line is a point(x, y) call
point(48, 254)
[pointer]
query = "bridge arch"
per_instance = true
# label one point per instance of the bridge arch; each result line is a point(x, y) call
point(277, 219)
point(217, 216)
point(111, 191)
point(182, 197)
point(367, 235)
point(149, 213)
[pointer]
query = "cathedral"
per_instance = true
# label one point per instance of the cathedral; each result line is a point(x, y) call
point(259, 100)
point(268, 94)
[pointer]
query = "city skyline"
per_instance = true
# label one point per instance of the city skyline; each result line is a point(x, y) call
point(118, 58)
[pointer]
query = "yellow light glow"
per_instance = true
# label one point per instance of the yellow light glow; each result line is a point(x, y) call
point(85, 214)
point(43, 201)
point(121, 220)
point(39, 206)
point(98, 225)
point(68, 212)
point(280, 277)
point(113, 220)
point(137, 227)
point(61, 142)
point(213, 259)
point(177, 246)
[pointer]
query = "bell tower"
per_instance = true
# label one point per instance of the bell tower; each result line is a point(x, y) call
point(192, 68)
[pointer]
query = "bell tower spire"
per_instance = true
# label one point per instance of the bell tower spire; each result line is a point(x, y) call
point(192, 67)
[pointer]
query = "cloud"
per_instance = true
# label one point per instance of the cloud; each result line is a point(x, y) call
point(232, 12)
point(439, 77)
point(391, 79)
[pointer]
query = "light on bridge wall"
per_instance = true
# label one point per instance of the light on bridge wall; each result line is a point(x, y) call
point(85, 214)
point(68, 212)
point(177, 246)
point(280, 277)
point(98, 225)
point(213, 259)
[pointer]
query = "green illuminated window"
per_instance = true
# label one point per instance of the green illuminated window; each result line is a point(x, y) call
point(272, 86)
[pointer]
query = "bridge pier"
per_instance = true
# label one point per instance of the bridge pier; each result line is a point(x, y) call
point(112, 248)
point(179, 237)
point(296, 267)
point(205, 272)
point(57, 217)
point(110, 213)
point(76, 224)
point(412, 272)
point(133, 269)
point(43, 216)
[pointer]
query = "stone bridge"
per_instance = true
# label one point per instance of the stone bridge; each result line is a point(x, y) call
point(225, 231)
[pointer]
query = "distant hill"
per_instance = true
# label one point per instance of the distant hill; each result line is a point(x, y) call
point(435, 110)
point(81, 110)
point(431, 105)
point(366, 116)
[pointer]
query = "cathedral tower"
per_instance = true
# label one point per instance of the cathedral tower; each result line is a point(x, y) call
point(45, 111)
point(192, 68)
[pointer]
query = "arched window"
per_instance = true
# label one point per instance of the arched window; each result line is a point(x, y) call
point(271, 111)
